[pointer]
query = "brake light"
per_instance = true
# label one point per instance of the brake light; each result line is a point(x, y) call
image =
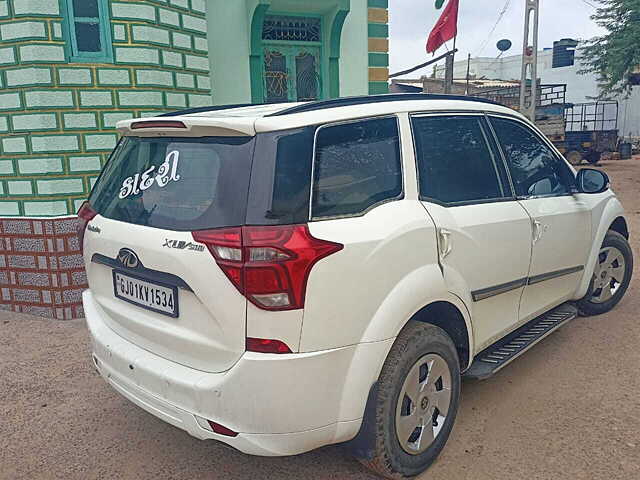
point(157, 124)
point(85, 214)
point(269, 265)
point(262, 345)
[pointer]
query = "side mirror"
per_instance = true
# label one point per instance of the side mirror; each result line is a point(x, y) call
point(590, 180)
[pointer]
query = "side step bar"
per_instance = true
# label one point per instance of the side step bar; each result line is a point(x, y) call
point(497, 356)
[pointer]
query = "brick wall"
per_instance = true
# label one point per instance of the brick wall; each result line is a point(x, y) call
point(41, 269)
point(57, 118)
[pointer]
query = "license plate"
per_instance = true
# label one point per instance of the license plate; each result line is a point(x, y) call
point(143, 293)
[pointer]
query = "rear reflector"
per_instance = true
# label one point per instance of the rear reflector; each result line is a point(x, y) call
point(221, 429)
point(269, 265)
point(262, 345)
point(157, 124)
point(85, 214)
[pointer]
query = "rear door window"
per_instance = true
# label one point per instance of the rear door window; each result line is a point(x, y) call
point(176, 183)
point(357, 166)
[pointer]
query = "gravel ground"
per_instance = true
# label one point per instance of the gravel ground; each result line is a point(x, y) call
point(567, 409)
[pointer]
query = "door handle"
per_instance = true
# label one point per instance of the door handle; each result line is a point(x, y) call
point(444, 242)
point(538, 230)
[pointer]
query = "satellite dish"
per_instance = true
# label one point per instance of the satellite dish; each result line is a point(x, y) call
point(439, 4)
point(504, 45)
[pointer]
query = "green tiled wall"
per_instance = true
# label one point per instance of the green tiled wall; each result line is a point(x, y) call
point(57, 118)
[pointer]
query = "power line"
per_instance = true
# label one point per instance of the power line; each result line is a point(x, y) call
point(500, 17)
point(589, 3)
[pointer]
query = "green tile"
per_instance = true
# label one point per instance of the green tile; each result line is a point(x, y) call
point(34, 122)
point(74, 76)
point(378, 30)
point(40, 166)
point(45, 208)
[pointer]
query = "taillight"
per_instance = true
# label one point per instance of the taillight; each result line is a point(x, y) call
point(157, 124)
point(85, 215)
point(262, 345)
point(269, 265)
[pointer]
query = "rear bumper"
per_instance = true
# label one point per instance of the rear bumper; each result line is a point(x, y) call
point(279, 404)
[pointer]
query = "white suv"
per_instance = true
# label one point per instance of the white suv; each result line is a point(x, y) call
point(283, 277)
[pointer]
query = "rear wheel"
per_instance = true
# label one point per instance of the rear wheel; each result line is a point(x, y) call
point(611, 276)
point(418, 396)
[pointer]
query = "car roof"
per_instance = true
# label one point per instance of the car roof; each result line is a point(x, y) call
point(249, 119)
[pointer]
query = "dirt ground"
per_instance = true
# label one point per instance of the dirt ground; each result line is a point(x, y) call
point(567, 409)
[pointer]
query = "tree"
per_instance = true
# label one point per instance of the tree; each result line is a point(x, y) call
point(615, 56)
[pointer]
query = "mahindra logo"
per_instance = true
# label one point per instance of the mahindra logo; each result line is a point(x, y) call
point(128, 258)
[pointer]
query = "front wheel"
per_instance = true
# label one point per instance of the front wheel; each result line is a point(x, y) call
point(611, 276)
point(418, 396)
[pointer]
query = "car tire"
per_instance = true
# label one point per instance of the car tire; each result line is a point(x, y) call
point(432, 350)
point(611, 276)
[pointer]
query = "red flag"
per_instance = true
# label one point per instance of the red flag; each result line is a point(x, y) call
point(446, 28)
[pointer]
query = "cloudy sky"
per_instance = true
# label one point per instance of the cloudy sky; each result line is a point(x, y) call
point(412, 20)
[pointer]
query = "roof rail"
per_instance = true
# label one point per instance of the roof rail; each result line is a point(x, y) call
point(208, 109)
point(367, 99)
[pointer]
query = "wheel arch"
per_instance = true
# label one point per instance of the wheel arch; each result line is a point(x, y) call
point(620, 225)
point(448, 317)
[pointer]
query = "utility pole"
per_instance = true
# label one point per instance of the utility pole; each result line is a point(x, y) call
point(530, 60)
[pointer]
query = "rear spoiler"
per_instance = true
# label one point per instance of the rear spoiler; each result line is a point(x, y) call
point(187, 126)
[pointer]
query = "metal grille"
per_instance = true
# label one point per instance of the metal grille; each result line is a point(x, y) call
point(307, 77)
point(294, 29)
point(593, 117)
point(276, 77)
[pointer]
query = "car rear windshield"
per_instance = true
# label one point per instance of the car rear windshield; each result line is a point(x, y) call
point(176, 183)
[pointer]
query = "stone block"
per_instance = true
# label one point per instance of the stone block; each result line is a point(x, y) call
point(176, 99)
point(137, 55)
point(7, 56)
point(84, 164)
point(133, 11)
point(49, 99)
point(80, 121)
point(110, 119)
point(200, 101)
point(69, 225)
point(185, 80)
point(196, 24)
point(10, 101)
point(33, 279)
point(19, 187)
point(63, 186)
point(79, 278)
point(28, 244)
point(41, 53)
point(16, 31)
point(111, 76)
point(181, 40)
point(169, 17)
point(54, 143)
point(45, 209)
point(154, 77)
point(106, 141)
point(201, 44)
point(26, 295)
point(71, 261)
point(74, 76)
point(172, 59)
point(6, 167)
point(119, 33)
point(204, 82)
point(34, 121)
point(197, 63)
point(36, 8)
point(140, 98)
point(9, 209)
point(14, 145)
point(28, 76)
point(143, 33)
point(100, 98)
point(40, 166)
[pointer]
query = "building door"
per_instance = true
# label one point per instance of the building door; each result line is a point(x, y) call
point(292, 66)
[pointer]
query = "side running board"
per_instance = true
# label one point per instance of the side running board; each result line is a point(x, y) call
point(497, 356)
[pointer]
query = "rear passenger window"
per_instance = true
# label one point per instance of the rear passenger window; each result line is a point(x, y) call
point(455, 163)
point(357, 165)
